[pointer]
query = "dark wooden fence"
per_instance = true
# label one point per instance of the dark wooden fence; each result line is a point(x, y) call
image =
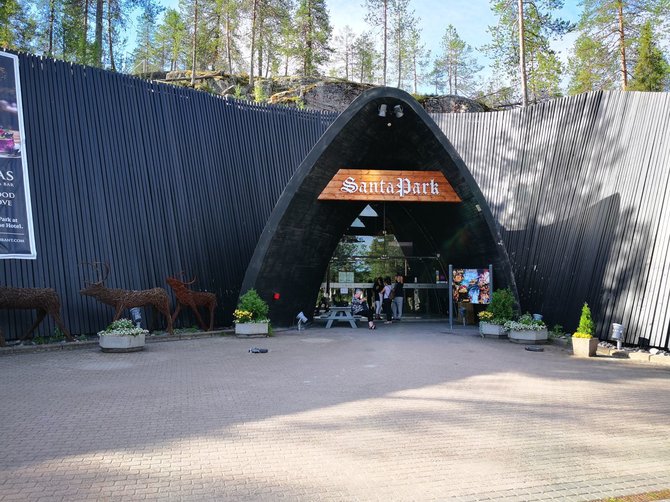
point(158, 179)
point(579, 188)
point(153, 179)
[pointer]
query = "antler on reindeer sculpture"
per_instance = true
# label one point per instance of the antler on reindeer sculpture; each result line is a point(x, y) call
point(122, 299)
point(193, 299)
point(44, 300)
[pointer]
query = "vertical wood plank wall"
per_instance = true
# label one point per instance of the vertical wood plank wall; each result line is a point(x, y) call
point(579, 189)
point(152, 178)
point(158, 179)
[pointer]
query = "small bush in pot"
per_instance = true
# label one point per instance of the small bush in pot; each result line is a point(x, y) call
point(501, 308)
point(583, 342)
point(251, 316)
point(497, 313)
point(251, 308)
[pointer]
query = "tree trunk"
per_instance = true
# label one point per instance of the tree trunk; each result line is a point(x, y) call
point(97, 46)
point(309, 42)
point(110, 36)
point(217, 44)
point(522, 58)
point(229, 52)
point(399, 51)
point(52, 21)
point(622, 47)
point(254, 9)
point(195, 42)
point(385, 41)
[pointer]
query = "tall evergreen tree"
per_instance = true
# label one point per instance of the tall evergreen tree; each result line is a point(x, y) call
point(313, 26)
point(418, 57)
point(591, 67)
point(170, 37)
point(364, 58)
point(344, 52)
point(614, 25)
point(378, 18)
point(401, 19)
point(651, 70)
point(459, 63)
point(539, 28)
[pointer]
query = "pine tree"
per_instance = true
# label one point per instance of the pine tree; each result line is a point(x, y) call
point(364, 58)
point(170, 37)
point(539, 28)
point(652, 70)
point(313, 25)
point(378, 18)
point(586, 325)
point(589, 68)
point(614, 25)
point(460, 66)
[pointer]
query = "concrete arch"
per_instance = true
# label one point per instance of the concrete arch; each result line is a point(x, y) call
point(301, 234)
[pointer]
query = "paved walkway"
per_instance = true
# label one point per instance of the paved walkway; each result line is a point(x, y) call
point(407, 412)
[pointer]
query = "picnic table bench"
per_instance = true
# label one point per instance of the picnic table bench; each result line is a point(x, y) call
point(340, 314)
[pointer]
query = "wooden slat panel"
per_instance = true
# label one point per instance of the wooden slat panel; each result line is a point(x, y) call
point(390, 186)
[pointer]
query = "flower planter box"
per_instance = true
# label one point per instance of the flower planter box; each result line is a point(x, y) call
point(584, 347)
point(530, 336)
point(251, 328)
point(490, 330)
point(121, 343)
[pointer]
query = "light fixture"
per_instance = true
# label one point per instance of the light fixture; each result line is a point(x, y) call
point(302, 319)
point(368, 212)
point(397, 110)
point(382, 110)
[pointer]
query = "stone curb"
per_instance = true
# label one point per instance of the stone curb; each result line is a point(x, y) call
point(52, 347)
point(644, 357)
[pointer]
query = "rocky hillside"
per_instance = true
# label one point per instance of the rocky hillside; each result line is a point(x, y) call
point(311, 93)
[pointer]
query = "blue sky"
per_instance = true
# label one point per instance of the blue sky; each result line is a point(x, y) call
point(471, 18)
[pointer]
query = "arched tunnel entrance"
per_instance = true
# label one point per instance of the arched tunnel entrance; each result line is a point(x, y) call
point(383, 132)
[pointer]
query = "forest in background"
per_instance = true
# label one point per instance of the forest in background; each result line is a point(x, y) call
point(619, 45)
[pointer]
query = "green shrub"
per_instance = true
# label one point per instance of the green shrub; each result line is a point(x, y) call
point(251, 302)
point(501, 306)
point(586, 326)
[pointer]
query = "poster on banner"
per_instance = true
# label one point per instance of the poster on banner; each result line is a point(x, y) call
point(16, 220)
point(471, 285)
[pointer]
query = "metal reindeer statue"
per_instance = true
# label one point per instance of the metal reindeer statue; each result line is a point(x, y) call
point(121, 299)
point(193, 299)
point(44, 300)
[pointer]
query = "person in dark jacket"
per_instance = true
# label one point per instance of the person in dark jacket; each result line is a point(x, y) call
point(398, 297)
point(359, 306)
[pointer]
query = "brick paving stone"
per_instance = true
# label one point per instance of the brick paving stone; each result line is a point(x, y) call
point(409, 412)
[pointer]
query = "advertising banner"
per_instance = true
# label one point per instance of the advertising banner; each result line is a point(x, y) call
point(16, 219)
point(471, 285)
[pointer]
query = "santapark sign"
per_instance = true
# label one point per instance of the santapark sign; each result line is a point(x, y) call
point(405, 186)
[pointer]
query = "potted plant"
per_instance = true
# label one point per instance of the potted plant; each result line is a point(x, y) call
point(497, 313)
point(251, 316)
point(122, 336)
point(583, 342)
point(527, 330)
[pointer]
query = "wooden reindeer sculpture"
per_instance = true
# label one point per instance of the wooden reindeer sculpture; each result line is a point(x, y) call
point(45, 301)
point(193, 299)
point(122, 299)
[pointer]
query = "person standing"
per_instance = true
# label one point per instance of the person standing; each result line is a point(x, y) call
point(398, 297)
point(387, 292)
point(378, 288)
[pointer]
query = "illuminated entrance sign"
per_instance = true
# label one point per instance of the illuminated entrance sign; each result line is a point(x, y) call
point(397, 186)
